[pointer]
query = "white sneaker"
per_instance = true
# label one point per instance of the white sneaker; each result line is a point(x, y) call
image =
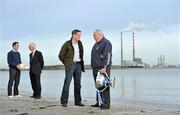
point(10, 96)
point(17, 96)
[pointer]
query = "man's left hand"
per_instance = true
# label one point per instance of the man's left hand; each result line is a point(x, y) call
point(103, 70)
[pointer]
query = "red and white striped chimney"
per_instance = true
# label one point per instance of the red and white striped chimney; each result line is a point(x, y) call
point(133, 48)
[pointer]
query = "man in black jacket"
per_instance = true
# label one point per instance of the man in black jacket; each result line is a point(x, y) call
point(36, 65)
point(71, 55)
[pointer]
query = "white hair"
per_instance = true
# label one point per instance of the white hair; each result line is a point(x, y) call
point(32, 44)
point(99, 32)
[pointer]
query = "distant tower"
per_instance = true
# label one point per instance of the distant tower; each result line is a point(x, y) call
point(161, 61)
point(121, 51)
point(158, 61)
point(164, 59)
point(133, 48)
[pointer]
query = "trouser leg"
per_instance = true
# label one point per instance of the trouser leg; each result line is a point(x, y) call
point(77, 83)
point(17, 81)
point(38, 85)
point(67, 81)
point(12, 74)
point(33, 83)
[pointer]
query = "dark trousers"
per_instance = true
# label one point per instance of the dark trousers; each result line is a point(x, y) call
point(75, 71)
point(36, 83)
point(105, 95)
point(14, 78)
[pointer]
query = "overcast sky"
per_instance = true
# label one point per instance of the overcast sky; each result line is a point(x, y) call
point(156, 24)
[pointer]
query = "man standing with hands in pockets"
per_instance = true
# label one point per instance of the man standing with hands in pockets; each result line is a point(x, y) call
point(71, 55)
point(36, 66)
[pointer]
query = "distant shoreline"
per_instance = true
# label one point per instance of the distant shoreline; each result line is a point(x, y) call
point(61, 67)
point(88, 67)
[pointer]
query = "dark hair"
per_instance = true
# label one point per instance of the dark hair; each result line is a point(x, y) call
point(14, 43)
point(75, 31)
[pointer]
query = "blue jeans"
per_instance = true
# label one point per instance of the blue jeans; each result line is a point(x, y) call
point(74, 72)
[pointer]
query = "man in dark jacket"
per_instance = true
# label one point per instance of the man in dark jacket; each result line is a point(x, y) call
point(36, 65)
point(71, 55)
point(14, 59)
point(101, 61)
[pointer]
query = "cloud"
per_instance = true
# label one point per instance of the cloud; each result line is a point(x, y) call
point(134, 26)
point(154, 27)
point(158, 27)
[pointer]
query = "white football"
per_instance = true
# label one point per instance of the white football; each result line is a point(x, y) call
point(22, 67)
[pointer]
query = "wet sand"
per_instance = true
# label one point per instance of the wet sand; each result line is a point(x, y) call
point(51, 106)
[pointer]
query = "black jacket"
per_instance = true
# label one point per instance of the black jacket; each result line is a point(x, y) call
point(36, 62)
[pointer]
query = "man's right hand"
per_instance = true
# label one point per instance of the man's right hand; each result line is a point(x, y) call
point(18, 66)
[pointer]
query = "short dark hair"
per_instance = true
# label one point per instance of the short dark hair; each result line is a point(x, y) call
point(14, 43)
point(75, 31)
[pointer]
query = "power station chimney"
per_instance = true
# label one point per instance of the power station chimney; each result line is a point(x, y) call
point(158, 61)
point(121, 51)
point(164, 59)
point(133, 48)
point(161, 61)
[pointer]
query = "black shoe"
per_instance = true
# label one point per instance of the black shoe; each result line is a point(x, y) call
point(32, 96)
point(95, 105)
point(104, 107)
point(79, 104)
point(64, 105)
point(37, 97)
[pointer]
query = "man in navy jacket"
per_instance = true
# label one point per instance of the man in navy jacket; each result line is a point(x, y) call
point(14, 59)
point(101, 61)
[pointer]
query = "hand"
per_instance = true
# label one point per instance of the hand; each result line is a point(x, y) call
point(103, 70)
point(18, 67)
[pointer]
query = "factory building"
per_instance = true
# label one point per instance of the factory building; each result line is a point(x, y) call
point(135, 62)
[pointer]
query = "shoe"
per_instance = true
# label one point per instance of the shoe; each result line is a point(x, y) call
point(10, 96)
point(95, 105)
point(104, 107)
point(17, 96)
point(64, 105)
point(32, 96)
point(37, 97)
point(79, 104)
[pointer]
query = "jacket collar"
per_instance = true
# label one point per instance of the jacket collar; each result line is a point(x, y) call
point(101, 40)
point(71, 41)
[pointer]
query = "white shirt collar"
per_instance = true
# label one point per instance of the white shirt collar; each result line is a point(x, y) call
point(14, 50)
point(33, 51)
point(74, 42)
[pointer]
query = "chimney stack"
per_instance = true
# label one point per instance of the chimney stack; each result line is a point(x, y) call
point(164, 59)
point(133, 48)
point(161, 60)
point(121, 51)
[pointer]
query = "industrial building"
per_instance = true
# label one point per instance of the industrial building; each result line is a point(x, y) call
point(135, 62)
point(161, 62)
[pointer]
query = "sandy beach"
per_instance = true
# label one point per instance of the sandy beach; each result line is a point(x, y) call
point(51, 106)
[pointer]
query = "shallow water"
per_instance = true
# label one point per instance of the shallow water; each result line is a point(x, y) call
point(161, 86)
